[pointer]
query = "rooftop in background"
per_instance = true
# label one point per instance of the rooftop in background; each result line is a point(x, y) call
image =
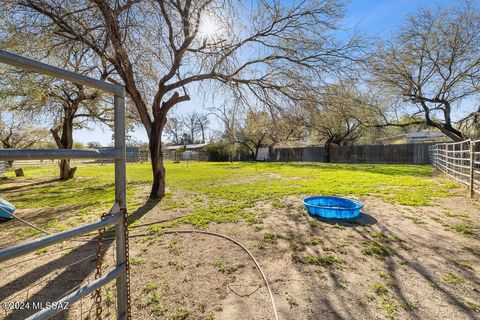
point(415, 137)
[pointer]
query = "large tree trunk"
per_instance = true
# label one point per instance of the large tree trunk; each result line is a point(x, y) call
point(327, 149)
point(255, 155)
point(6, 145)
point(156, 156)
point(446, 128)
point(452, 133)
point(65, 141)
point(155, 142)
point(66, 172)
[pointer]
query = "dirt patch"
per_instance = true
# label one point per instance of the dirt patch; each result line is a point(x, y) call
point(391, 266)
point(385, 265)
point(396, 261)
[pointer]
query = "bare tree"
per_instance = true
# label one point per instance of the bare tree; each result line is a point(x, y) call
point(190, 122)
point(226, 115)
point(17, 132)
point(433, 63)
point(174, 129)
point(333, 117)
point(258, 128)
point(160, 48)
point(203, 123)
point(196, 123)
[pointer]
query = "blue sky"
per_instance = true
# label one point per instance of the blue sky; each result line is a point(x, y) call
point(381, 17)
point(378, 18)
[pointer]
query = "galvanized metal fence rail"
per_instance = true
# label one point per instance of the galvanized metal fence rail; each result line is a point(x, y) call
point(460, 161)
point(116, 217)
point(132, 157)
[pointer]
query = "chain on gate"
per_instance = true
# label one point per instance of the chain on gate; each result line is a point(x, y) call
point(127, 261)
point(98, 273)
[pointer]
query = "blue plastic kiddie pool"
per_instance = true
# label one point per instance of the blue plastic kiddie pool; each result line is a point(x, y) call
point(332, 207)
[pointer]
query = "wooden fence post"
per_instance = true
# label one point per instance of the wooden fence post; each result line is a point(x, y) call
point(472, 166)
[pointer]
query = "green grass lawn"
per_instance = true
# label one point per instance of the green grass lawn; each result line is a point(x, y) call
point(217, 192)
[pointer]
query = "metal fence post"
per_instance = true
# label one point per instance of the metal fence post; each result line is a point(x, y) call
point(472, 167)
point(120, 216)
point(120, 198)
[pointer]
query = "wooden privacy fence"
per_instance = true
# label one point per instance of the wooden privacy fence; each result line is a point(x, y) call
point(410, 153)
point(460, 161)
point(298, 154)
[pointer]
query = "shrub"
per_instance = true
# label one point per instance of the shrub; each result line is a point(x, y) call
point(218, 151)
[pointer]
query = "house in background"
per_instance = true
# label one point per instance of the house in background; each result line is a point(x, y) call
point(263, 154)
point(415, 137)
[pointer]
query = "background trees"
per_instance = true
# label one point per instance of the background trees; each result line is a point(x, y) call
point(174, 129)
point(158, 49)
point(334, 115)
point(433, 64)
point(203, 122)
point(188, 128)
point(62, 106)
point(253, 132)
point(253, 128)
point(287, 57)
point(17, 131)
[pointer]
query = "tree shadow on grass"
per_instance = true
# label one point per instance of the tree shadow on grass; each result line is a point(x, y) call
point(40, 183)
point(384, 169)
point(140, 212)
point(14, 231)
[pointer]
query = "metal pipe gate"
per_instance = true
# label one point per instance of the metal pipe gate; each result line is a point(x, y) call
point(460, 161)
point(118, 214)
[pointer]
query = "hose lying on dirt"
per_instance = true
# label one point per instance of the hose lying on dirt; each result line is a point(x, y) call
point(257, 265)
point(43, 230)
point(30, 225)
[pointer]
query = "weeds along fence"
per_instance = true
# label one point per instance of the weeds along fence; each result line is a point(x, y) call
point(460, 161)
